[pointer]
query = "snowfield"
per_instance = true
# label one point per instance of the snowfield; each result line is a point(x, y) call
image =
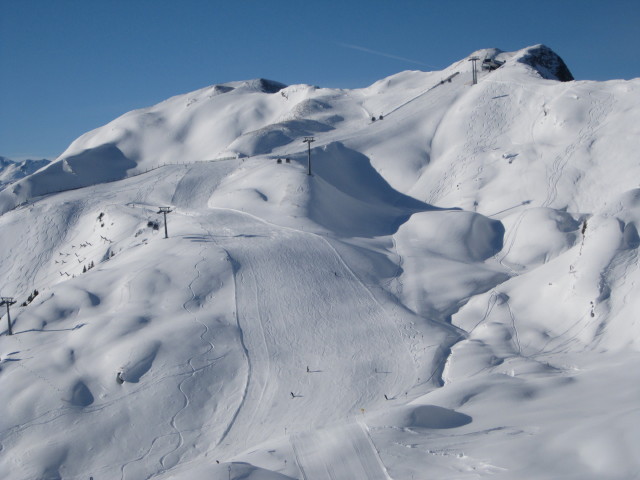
point(451, 294)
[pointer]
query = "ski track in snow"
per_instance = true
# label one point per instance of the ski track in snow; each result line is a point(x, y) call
point(598, 110)
point(515, 329)
point(185, 405)
point(345, 452)
point(259, 367)
point(491, 302)
point(411, 346)
point(482, 132)
point(209, 362)
point(173, 422)
point(259, 393)
point(237, 316)
point(247, 357)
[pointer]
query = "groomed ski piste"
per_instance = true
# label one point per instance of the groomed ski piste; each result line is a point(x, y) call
point(450, 294)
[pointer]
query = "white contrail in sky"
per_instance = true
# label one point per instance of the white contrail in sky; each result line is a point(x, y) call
point(382, 54)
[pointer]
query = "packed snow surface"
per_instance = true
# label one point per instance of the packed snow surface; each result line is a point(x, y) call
point(450, 294)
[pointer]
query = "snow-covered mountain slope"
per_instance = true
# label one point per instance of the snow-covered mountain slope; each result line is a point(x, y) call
point(450, 294)
point(11, 171)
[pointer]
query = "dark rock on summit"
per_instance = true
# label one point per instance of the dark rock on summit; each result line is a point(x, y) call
point(547, 62)
point(270, 86)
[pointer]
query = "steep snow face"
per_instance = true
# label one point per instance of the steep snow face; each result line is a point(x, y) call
point(450, 293)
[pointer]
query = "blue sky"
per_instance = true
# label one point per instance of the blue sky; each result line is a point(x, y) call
point(68, 66)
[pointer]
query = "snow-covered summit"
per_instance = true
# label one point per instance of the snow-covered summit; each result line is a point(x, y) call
point(546, 62)
point(540, 58)
point(450, 293)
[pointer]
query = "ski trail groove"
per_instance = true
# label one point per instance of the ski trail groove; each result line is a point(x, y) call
point(236, 273)
point(211, 347)
point(510, 241)
point(250, 376)
point(411, 354)
point(597, 112)
point(341, 452)
point(247, 357)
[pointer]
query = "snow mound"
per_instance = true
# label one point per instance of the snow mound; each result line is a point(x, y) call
point(457, 235)
point(421, 417)
point(540, 234)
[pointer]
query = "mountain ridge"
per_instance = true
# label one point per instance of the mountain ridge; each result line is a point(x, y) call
point(257, 140)
point(11, 170)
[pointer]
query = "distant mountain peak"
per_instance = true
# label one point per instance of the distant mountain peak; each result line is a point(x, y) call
point(11, 170)
point(270, 86)
point(264, 85)
point(257, 84)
